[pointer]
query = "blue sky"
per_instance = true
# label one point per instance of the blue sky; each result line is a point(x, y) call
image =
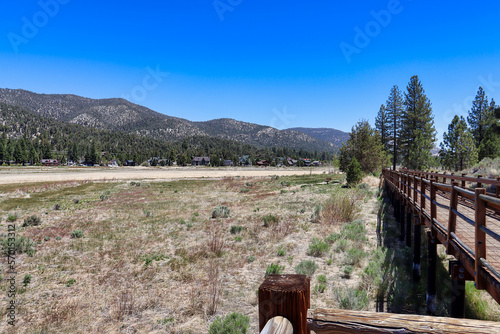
point(279, 63)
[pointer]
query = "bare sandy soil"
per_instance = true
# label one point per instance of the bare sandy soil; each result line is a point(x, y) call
point(55, 174)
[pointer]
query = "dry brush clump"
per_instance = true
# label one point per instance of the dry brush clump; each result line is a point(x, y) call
point(341, 207)
point(216, 238)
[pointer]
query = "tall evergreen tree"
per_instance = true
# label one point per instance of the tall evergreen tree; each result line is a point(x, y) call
point(480, 116)
point(417, 127)
point(458, 150)
point(383, 127)
point(394, 109)
point(364, 145)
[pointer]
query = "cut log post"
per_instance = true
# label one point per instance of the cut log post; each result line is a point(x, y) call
point(431, 273)
point(463, 181)
point(287, 296)
point(329, 321)
point(416, 249)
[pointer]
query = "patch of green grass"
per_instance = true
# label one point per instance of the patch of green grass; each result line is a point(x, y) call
point(234, 323)
point(353, 256)
point(27, 279)
point(12, 217)
point(250, 259)
point(321, 279)
point(320, 288)
point(32, 221)
point(348, 271)
point(235, 229)
point(238, 238)
point(70, 282)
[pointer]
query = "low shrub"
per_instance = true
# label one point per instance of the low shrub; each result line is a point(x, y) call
point(27, 279)
point(348, 271)
point(281, 251)
point(76, 234)
point(306, 267)
point(340, 207)
point(220, 211)
point(12, 217)
point(321, 279)
point(234, 323)
point(351, 299)
point(270, 220)
point(251, 259)
point(342, 245)
point(318, 247)
point(244, 190)
point(235, 229)
point(274, 268)
point(355, 231)
point(20, 245)
point(320, 288)
point(56, 207)
point(32, 221)
point(353, 256)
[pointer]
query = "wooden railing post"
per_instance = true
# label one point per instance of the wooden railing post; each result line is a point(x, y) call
point(422, 197)
point(480, 237)
point(452, 218)
point(463, 181)
point(498, 188)
point(287, 296)
point(479, 184)
point(433, 202)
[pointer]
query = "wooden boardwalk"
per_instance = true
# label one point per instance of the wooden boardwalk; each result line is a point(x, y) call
point(460, 214)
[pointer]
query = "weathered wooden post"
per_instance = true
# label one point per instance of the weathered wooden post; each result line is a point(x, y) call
point(431, 273)
point(463, 181)
point(417, 230)
point(287, 296)
point(498, 188)
point(479, 184)
point(452, 217)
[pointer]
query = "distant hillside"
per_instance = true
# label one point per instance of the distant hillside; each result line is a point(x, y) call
point(336, 137)
point(121, 115)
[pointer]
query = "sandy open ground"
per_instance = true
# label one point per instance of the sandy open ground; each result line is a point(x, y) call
point(55, 174)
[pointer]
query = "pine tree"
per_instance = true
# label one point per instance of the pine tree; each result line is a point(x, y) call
point(479, 116)
point(417, 127)
point(383, 127)
point(364, 145)
point(458, 149)
point(394, 109)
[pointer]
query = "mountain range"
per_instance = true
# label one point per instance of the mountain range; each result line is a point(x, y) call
point(116, 114)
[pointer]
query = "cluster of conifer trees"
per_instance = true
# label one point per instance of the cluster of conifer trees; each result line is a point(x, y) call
point(26, 138)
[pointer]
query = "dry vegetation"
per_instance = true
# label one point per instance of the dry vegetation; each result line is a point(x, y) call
point(151, 259)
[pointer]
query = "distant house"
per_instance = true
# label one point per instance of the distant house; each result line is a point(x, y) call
point(129, 163)
point(291, 162)
point(49, 162)
point(200, 161)
point(113, 163)
point(316, 163)
point(307, 162)
point(228, 163)
point(245, 160)
point(262, 163)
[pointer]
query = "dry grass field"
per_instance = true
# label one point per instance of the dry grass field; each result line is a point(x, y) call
point(146, 256)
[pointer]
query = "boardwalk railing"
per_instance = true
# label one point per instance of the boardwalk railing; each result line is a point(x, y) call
point(281, 311)
point(465, 220)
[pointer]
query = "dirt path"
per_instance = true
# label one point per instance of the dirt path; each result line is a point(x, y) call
point(47, 174)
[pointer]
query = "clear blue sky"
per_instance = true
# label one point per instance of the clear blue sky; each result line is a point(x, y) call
point(277, 62)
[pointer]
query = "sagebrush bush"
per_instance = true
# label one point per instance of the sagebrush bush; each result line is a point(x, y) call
point(235, 229)
point(355, 231)
point(234, 323)
point(21, 245)
point(270, 220)
point(220, 211)
point(12, 217)
point(274, 268)
point(317, 247)
point(320, 288)
point(76, 234)
point(351, 299)
point(306, 267)
point(32, 221)
point(354, 256)
point(281, 251)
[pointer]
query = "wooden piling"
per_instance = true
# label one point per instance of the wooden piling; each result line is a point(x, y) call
point(431, 273)
point(287, 296)
point(457, 305)
point(409, 214)
point(417, 230)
